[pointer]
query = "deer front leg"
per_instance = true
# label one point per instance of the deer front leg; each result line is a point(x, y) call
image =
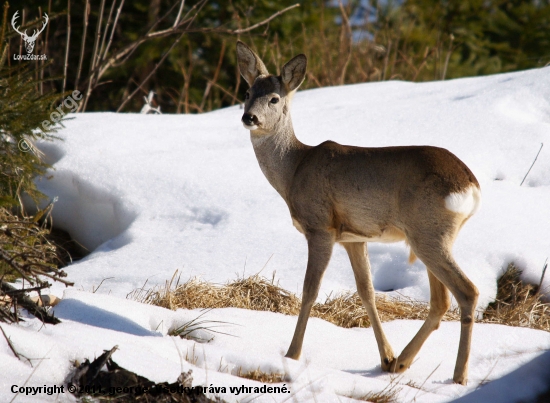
point(358, 257)
point(320, 246)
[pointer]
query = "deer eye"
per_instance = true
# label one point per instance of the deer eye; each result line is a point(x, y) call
point(247, 95)
point(274, 100)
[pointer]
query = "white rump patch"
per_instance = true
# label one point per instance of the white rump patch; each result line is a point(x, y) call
point(466, 202)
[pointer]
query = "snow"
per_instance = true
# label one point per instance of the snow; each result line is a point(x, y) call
point(336, 362)
point(169, 192)
point(151, 194)
point(526, 382)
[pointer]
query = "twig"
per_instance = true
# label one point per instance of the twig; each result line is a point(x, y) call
point(94, 290)
point(238, 74)
point(179, 14)
point(104, 36)
point(151, 73)
point(67, 45)
point(426, 380)
point(16, 292)
point(94, 55)
point(113, 30)
point(235, 99)
point(543, 273)
point(45, 45)
point(259, 24)
point(448, 57)
point(346, 29)
point(32, 373)
point(41, 41)
point(83, 44)
point(21, 39)
point(183, 27)
point(186, 81)
point(386, 59)
point(97, 35)
point(541, 145)
point(10, 344)
point(427, 54)
point(216, 73)
point(484, 380)
point(31, 306)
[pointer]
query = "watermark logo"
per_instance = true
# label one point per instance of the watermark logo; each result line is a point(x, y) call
point(29, 40)
point(69, 105)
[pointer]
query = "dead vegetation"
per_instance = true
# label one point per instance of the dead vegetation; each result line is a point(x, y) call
point(388, 395)
point(26, 253)
point(262, 294)
point(261, 376)
point(517, 304)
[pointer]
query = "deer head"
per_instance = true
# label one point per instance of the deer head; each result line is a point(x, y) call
point(29, 40)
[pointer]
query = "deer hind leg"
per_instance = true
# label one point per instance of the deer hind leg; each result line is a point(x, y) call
point(358, 257)
point(440, 263)
point(440, 302)
point(319, 251)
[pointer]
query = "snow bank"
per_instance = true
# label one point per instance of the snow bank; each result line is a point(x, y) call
point(154, 193)
point(337, 364)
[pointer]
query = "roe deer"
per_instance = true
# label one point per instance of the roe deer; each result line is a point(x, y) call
point(354, 195)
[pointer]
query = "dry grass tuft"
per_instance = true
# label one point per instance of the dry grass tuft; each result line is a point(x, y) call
point(379, 397)
point(254, 292)
point(346, 310)
point(262, 294)
point(517, 304)
point(263, 377)
point(388, 395)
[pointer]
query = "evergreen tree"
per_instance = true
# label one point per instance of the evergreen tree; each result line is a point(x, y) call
point(25, 116)
point(22, 113)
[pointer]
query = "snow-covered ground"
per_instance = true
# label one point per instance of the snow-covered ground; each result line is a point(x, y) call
point(152, 194)
point(336, 363)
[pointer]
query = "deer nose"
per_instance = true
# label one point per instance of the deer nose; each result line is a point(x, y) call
point(249, 119)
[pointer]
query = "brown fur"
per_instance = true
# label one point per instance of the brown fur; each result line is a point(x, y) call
point(353, 195)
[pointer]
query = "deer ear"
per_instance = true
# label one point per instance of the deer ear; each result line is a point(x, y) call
point(250, 64)
point(294, 72)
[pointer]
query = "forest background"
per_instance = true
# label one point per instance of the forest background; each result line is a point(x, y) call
point(115, 51)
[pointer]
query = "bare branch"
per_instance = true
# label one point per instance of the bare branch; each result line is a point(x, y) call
point(94, 55)
point(83, 44)
point(179, 14)
point(104, 36)
point(151, 73)
point(182, 27)
point(259, 24)
point(67, 46)
point(112, 31)
point(12, 348)
point(215, 78)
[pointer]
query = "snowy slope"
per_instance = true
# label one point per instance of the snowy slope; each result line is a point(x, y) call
point(336, 363)
point(152, 194)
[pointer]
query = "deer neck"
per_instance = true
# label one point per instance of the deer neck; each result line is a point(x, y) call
point(279, 154)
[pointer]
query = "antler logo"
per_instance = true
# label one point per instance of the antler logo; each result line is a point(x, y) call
point(29, 40)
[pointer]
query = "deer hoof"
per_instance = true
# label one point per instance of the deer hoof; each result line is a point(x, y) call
point(394, 365)
point(387, 364)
